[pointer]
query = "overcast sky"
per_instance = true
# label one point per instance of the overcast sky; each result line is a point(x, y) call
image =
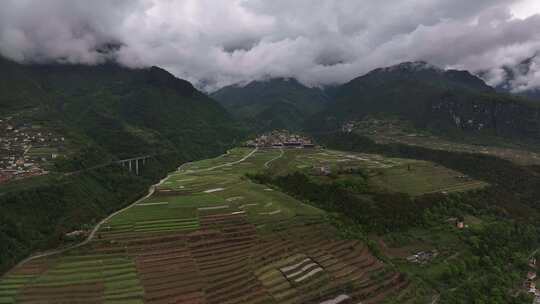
point(213, 43)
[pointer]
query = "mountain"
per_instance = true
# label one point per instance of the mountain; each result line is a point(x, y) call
point(104, 113)
point(446, 101)
point(125, 112)
point(272, 104)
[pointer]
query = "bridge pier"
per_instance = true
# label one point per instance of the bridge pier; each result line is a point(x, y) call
point(137, 166)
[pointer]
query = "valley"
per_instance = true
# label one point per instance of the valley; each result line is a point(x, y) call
point(349, 194)
point(269, 152)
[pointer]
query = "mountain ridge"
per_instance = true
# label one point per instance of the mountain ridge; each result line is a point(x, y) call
point(254, 101)
point(166, 110)
point(444, 101)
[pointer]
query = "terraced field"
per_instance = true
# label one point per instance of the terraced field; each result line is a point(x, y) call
point(209, 235)
point(410, 176)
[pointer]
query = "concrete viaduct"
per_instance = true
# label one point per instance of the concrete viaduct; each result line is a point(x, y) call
point(134, 163)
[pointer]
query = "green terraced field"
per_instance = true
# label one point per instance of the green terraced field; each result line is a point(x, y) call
point(395, 174)
point(209, 235)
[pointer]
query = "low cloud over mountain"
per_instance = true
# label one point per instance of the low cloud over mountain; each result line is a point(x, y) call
point(214, 43)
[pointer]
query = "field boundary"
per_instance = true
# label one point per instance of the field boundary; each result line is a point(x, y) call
point(92, 234)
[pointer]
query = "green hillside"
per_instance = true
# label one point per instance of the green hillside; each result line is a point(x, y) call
point(126, 112)
point(274, 103)
point(105, 113)
point(446, 102)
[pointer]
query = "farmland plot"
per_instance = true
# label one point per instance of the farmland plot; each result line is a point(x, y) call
point(210, 235)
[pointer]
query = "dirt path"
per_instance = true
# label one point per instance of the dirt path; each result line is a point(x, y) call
point(226, 164)
point(267, 164)
point(27, 149)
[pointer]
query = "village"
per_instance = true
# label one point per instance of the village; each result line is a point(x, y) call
point(530, 281)
point(26, 149)
point(280, 139)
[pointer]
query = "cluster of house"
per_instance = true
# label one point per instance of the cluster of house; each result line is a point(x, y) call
point(423, 257)
point(280, 139)
point(530, 282)
point(16, 141)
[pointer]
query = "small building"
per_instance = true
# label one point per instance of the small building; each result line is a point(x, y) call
point(531, 275)
point(75, 234)
point(422, 257)
point(530, 285)
point(324, 170)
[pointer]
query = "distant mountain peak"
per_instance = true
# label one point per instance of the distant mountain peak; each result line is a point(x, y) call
point(423, 72)
point(273, 80)
point(264, 81)
point(282, 102)
point(413, 66)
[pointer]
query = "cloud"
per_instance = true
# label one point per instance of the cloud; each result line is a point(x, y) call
point(528, 79)
point(58, 30)
point(219, 42)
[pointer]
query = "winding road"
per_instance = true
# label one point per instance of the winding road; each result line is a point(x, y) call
point(267, 164)
point(96, 228)
point(226, 164)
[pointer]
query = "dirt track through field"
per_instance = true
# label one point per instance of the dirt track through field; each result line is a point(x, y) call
point(92, 234)
point(267, 164)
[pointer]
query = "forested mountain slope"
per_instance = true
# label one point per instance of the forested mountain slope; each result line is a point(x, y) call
point(446, 101)
point(272, 104)
point(124, 111)
point(105, 112)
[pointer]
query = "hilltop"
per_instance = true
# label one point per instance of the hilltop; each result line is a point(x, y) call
point(278, 103)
